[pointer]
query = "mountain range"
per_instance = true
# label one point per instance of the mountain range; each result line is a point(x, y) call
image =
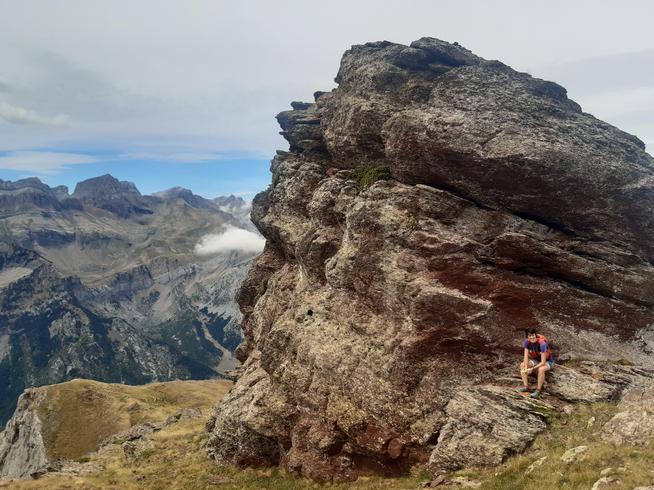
point(105, 283)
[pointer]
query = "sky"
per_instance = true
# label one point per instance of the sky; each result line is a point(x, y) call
point(184, 93)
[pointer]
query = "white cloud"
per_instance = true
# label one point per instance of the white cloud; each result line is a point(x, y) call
point(231, 239)
point(205, 78)
point(42, 161)
point(618, 89)
point(19, 115)
point(596, 75)
point(174, 156)
point(619, 102)
point(631, 110)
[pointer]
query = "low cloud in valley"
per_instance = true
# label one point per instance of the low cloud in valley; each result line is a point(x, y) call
point(231, 239)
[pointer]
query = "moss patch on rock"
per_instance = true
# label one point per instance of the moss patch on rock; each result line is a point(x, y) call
point(367, 175)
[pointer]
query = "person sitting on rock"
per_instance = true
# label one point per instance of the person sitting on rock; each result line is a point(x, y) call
point(535, 348)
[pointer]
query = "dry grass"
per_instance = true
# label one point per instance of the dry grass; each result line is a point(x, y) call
point(79, 414)
point(565, 433)
point(178, 459)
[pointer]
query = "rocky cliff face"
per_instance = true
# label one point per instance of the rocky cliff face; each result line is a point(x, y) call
point(107, 192)
point(105, 284)
point(430, 208)
point(53, 329)
point(22, 450)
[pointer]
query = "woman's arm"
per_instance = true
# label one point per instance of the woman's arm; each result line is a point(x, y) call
point(543, 360)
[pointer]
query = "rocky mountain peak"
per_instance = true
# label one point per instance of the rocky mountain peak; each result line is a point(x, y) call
point(30, 182)
point(26, 194)
point(61, 191)
point(173, 193)
point(104, 187)
point(429, 209)
point(231, 200)
point(187, 196)
point(229, 203)
point(119, 197)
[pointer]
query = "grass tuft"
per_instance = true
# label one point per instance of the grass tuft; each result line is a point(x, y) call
point(367, 175)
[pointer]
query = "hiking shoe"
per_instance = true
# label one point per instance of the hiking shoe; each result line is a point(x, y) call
point(523, 389)
point(535, 394)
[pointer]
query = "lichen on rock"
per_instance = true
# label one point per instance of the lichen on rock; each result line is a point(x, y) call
point(379, 317)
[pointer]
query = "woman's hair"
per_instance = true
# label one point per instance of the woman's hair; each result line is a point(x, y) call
point(530, 331)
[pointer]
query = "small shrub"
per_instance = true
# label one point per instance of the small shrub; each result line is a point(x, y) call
point(369, 174)
point(424, 475)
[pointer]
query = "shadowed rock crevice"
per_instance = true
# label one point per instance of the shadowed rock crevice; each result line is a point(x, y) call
point(509, 207)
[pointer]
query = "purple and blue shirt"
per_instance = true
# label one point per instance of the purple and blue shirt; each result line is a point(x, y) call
point(537, 348)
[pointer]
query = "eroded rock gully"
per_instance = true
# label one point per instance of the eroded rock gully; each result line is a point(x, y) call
point(380, 322)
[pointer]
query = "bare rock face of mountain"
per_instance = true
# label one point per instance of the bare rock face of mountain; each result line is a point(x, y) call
point(106, 284)
point(430, 208)
point(236, 206)
point(104, 187)
point(26, 194)
point(53, 330)
point(22, 450)
point(106, 192)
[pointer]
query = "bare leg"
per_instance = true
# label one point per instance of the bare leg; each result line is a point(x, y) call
point(541, 376)
point(524, 375)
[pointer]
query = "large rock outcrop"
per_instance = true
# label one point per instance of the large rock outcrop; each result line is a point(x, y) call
point(379, 317)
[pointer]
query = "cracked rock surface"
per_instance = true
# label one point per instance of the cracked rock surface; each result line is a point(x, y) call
point(378, 317)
